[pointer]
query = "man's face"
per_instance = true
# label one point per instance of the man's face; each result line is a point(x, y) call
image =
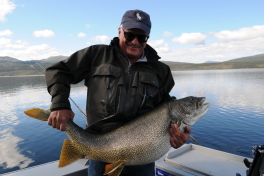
point(133, 49)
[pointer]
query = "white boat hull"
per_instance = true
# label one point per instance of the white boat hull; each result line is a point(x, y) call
point(188, 160)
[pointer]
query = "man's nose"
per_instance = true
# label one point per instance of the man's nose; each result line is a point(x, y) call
point(135, 41)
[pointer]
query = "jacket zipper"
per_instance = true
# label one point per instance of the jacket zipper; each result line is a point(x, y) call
point(127, 88)
point(123, 103)
point(107, 96)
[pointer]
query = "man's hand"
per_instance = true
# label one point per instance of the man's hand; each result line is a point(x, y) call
point(58, 119)
point(177, 141)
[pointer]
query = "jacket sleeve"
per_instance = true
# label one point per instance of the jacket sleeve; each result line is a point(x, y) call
point(70, 71)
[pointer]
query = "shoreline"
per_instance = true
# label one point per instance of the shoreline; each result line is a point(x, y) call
point(22, 75)
point(171, 71)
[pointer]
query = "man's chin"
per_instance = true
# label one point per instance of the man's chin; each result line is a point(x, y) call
point(133, 55)
point(134, 51)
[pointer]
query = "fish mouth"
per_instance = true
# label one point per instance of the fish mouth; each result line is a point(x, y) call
point(202, 104)
point(201, 110)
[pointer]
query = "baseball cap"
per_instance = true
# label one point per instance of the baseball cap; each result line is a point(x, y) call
point(136, 19)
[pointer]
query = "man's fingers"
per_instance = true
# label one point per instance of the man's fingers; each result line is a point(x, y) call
point(186, 134)
point(174, 129)
point(187, 129)
point(173, 143)
point(54, 122)
point(49, 121)
point(72, 115)
point(58, 123)
point(176, 139)
point(63, 126)
point(52, 115)
point(59, 119)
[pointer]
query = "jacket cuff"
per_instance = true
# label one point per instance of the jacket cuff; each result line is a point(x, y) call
point(60, 102)
point(56, 109)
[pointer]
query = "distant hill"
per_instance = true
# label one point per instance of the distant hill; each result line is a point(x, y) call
point(259, 57)
point(174, 63)
point(211, 62)
point(12, 67)
point(8, 59)
point(215, 66)
point(54, 59)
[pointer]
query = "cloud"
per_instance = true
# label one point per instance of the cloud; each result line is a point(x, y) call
point(101, 38)
point(44, 33)
point(88, 26)
point(29, 54)
point(9, 150)
point(23, 51)
point(6, 33)
point(81, 35)
point(225, 45)
point(21, 42)
point(190, 38)
point(15, 46)
point(156, 43)
point(6, 7)
point(217, 46)
point(163, 49)
point(216, 51)
point(167, 34)
point(4, 41)
point(43, 47)
point(240, 34)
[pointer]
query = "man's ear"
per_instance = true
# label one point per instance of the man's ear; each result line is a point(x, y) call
point(119, 31)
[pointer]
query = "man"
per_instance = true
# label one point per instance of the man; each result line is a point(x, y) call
point(124, 79)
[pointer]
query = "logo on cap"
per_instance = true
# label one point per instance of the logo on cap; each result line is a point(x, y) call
point(138, 16)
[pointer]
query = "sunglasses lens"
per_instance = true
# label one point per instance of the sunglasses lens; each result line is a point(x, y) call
point(131, 36)
point(142, 38)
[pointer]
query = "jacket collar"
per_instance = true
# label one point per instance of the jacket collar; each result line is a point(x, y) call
point(150, 53)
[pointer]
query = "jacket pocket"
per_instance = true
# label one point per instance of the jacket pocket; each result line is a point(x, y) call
point(103, 88)
point(149, 90)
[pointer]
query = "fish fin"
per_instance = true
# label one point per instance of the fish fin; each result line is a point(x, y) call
point(37, 113)
point(194, 140)
point(69, 153)
point(114, 169)
point(116, 172)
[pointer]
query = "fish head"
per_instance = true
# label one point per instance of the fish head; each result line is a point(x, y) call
point(188, 110)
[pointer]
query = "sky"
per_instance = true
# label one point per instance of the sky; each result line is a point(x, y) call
point(193, 31)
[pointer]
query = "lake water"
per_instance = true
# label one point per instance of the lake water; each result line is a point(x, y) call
point(234, 122)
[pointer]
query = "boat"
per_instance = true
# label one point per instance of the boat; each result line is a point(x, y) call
point(188, 160)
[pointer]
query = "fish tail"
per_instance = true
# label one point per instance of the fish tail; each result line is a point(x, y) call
point(37, 113)
point(69, 153)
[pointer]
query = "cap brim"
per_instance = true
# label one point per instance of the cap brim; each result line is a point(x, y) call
point(135, 24)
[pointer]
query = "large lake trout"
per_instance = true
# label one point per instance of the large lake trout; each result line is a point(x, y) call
point(140, 141)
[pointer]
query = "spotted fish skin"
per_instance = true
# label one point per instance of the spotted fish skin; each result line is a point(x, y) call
point(138, 142)
point(141, 141)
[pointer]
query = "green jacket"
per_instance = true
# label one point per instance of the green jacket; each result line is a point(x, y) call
point(116, 92)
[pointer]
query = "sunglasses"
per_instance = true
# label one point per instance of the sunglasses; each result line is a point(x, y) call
point(129, 36)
